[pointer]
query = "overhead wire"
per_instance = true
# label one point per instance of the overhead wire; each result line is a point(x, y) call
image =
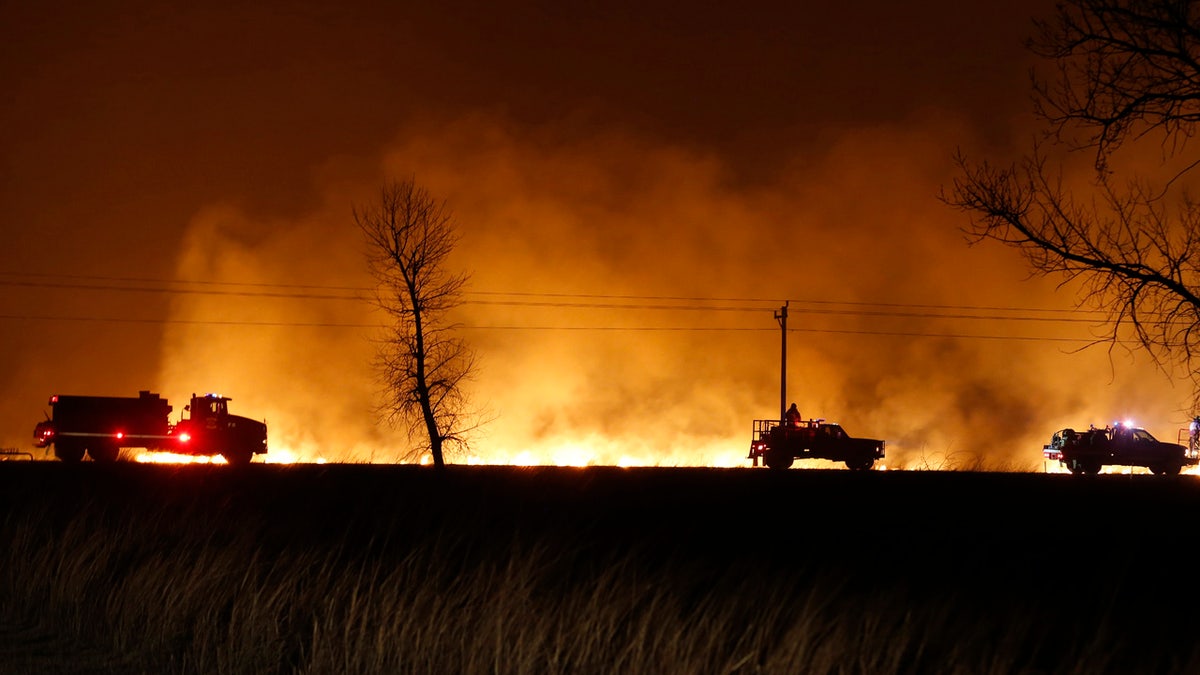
point(606, 296)
point(649, 329)
point(361, 292)
point(556, 300)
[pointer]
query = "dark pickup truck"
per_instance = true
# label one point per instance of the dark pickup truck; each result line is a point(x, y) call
point(779, 444)
point(1089, 451)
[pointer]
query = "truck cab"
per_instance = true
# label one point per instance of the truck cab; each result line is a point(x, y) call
point(211, 430)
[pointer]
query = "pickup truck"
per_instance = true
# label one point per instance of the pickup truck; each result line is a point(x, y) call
point(779, 443)
point(1121, 444)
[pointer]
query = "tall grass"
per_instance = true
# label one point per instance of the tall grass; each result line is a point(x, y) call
point(257, 577)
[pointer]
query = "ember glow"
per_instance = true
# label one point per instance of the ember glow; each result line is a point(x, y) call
point(281, 456)
point(176, 458)
point(1057, 467)
point(601, 452)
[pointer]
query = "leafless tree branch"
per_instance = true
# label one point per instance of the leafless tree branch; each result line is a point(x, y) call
point(1124, 69)
point(423, 365)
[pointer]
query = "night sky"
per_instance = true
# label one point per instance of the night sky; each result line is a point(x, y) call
point(178, 184)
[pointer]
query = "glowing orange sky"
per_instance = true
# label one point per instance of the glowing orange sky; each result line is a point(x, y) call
point(777, 152)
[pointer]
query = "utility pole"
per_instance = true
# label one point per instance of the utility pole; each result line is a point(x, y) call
point(781, 317)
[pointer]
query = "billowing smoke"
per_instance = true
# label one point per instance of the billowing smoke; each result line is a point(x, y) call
point(622, 304)
point(779, 153)
point(274, 335)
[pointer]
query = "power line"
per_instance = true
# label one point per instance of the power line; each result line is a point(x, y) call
point(675, 329)
point(193, 322)
point(852, 303)
point(579, 296)
point(571, 302)
point(1029, 338)
point(800, 310)
point(194, 282)
point(605, 306)
point(178, 291)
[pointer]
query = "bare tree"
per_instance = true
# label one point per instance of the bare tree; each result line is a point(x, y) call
point(423, 365)
point(1126, 73)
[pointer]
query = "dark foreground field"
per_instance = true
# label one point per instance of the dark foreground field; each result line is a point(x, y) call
point(369, 569)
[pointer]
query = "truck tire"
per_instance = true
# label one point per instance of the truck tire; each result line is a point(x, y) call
point(1166, 469)
point(1082, 467)
point(68, 451)
point(778, 459)
point(103, 452)
point(860, 463)
point(238, 457)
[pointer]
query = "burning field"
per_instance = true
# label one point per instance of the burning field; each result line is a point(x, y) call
point(637, 191)
point(401, 569)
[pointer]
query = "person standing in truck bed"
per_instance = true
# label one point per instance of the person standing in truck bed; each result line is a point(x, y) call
point(792, 417)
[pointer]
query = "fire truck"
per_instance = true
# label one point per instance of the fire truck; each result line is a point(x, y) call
point(780, 443)
point(1123, 444)
point(100, 426)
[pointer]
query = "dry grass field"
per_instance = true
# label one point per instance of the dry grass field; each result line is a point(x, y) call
point(396, 569)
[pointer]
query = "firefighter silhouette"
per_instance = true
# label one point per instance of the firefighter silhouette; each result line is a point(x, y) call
point(792, 416)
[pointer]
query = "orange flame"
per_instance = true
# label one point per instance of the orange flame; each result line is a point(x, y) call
point(279, 456)
point(176, 458)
